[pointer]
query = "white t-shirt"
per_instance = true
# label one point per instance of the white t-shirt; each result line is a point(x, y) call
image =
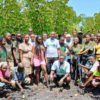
point(52, 46)
point(69, 43)
point(32, 43)
point(61, 69)
point(94, 67)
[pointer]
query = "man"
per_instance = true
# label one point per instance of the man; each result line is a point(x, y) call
point(94, 78)
point(52, 50)
point(32, 40)
point(60, 71)
point(90, 66)
point(62, 46)
point(69, 40)
point(19, 38)
point(9, 49)
point(45, 37)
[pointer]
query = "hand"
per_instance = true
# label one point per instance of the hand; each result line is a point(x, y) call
point(61, 82)
point(79, 65)
point(13, 83)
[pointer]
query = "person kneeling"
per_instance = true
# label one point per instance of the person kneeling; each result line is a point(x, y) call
point(19, 76)
point(60, 72)
point(94, 78)
point(4, 76)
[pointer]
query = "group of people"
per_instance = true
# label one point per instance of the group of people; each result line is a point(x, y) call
point(24, 59)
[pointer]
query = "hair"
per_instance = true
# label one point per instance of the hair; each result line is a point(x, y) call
point(38, 46)
point(78, 40)
point(2, 65)
point(37, 42)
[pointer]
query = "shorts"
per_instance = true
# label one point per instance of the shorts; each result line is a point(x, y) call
point(38, 62)
point(57, 78)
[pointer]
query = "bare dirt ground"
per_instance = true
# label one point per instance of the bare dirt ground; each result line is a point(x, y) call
point(43, 93)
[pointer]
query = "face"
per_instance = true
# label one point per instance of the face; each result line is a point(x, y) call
point(52, 35)
point(92, 36)
point(87, 38)
point(65, 33)
point(40, 39)
point(33, 37)
point(61, 60)
point(8, 37)
point(68, 38)
point(13, 37)
point(45, 36)
point(62, 40)
point(26, 38)
point(74, 33)
point(19, 36)
point(98, 37)
point(91, 60)
point(76, 40)
point(4, 68)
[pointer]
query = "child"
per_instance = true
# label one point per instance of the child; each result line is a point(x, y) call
point(19, 76)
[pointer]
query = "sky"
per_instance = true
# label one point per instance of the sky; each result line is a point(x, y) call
point(87, 7)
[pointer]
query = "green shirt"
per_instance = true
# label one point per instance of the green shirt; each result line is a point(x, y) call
point(3, 54)
point(63, 49)
point(77, 48)
point(96, 73)
point(8, 46)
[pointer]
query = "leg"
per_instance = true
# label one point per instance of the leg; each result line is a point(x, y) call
point(45, 73)
point(19, 85)
point(37, 75)
point(49, 63)
point(88, 81)
point(67, 80)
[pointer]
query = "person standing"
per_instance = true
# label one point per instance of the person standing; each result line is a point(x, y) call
point(25, 51)
point(52, 50)
point(38, 59)
point(9, 48)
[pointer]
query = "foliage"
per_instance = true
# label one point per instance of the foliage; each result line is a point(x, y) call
point(42, 16)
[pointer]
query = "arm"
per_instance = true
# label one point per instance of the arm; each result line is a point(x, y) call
point(58, 50)
point(33, 52)
point(21, 54)
point(4, 80)
point(80, 65)
point(66, 75)
point(52, 75)
point(14, 54)
point(88, 81)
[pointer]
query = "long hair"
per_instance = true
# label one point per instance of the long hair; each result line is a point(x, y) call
point(38, 46)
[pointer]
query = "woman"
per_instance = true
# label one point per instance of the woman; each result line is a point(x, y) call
point(76, 50)
point(38, 59)
point(25, 50)
point(76, 47)
point(97, 48)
